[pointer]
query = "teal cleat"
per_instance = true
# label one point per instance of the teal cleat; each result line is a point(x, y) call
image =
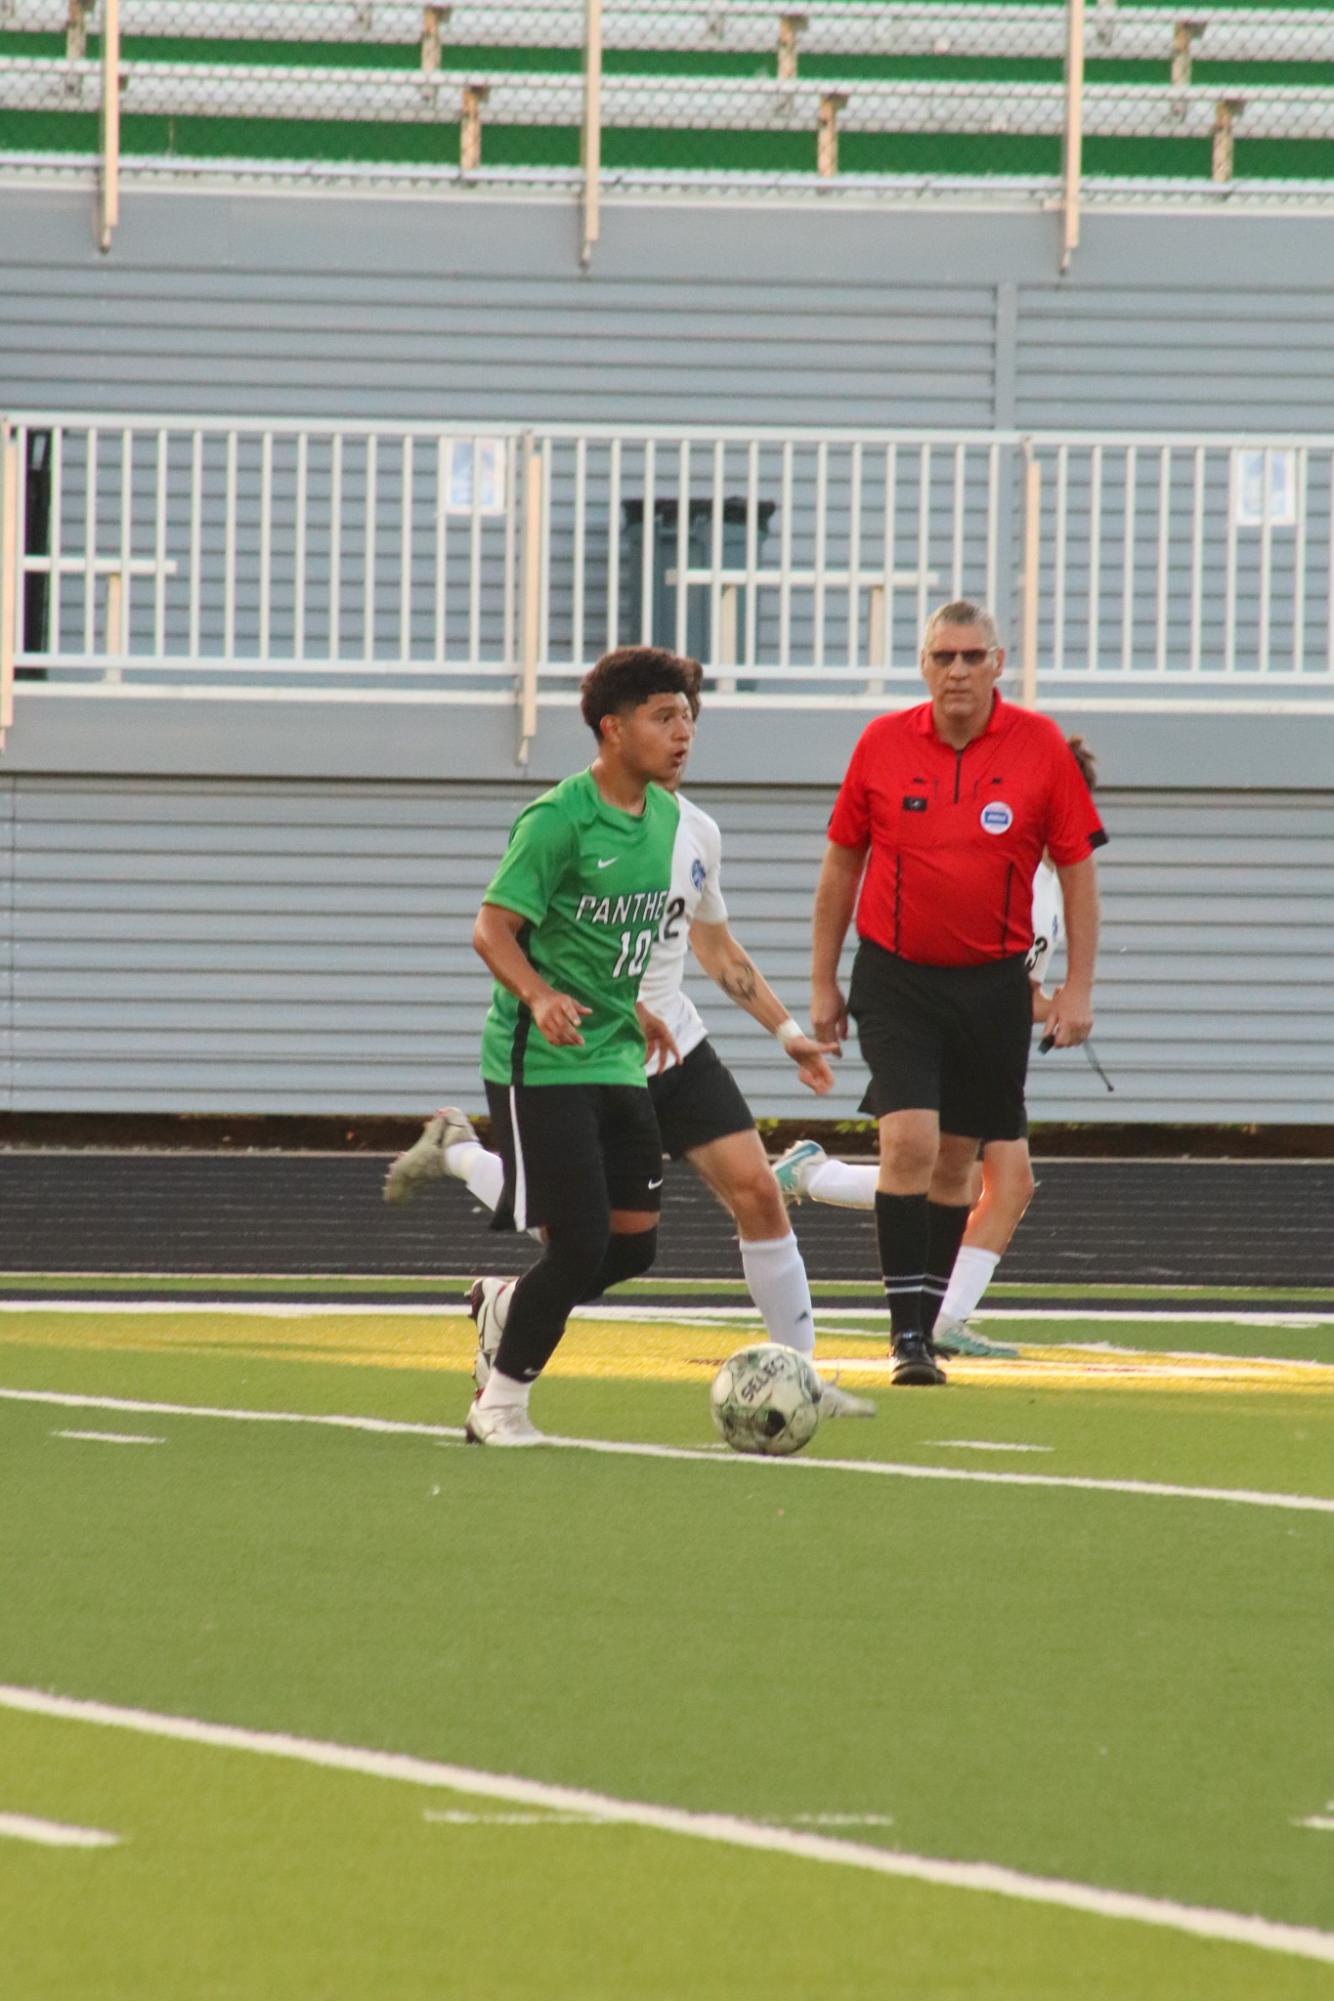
point(790, 1172)
point(955, 1337)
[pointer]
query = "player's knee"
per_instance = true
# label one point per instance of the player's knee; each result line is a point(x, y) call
point(575, 1254)
point(631, 1255)
point(907, 1157)
point(757, 1204)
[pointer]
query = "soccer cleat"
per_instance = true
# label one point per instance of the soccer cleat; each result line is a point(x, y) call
point(509, 1424)
point(915, 1361)
point(956, 1337)
point(836, 1402)
point(790, 1172)
point(489, 1317)
point(425, 1160)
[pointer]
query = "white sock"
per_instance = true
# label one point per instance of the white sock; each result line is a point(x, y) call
point(468, 1160)
point(847, 1184)
point(776, 1276)
point(968, 1281)
point(503, 1393)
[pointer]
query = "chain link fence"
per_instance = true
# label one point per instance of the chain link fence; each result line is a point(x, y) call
point(687, 93)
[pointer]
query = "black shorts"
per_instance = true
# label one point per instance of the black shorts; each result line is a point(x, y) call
point(698, 1100)
point(571, 1150)
point(948, 1039)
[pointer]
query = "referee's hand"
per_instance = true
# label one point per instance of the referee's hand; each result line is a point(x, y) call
point(829, 1016)
point(1069, 1017)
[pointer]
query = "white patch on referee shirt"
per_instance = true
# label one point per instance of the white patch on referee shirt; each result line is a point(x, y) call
point(996, 817)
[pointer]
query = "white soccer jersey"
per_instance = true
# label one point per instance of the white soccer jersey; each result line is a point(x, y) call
point(697, 861)
point(1048, 921)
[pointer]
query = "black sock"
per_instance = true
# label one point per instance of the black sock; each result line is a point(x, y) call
point(901, 1230)
point(947, 1222)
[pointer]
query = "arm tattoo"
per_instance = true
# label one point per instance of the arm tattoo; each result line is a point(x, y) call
point(739, 981)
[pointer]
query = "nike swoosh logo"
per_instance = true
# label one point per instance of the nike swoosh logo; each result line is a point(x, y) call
point(657, 1183)
point(610, 859)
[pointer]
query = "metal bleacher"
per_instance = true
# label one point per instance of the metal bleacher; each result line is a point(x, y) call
point(690, 91)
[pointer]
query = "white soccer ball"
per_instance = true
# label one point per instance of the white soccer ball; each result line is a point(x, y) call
point(766, 1399)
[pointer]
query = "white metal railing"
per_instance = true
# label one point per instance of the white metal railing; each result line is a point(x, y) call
point(427, 562)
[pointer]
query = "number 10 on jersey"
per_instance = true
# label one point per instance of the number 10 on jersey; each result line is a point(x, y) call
point(633, 955)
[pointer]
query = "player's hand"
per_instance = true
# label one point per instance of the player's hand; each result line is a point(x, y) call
point(1069, 1017)
point(557, 1017)
point(829, 1016)
point(659, 1043)
point(812, 1061)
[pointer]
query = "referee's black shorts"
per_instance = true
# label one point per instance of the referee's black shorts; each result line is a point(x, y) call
point(948, 1039)
point(698, 1100)
point(572, 1151)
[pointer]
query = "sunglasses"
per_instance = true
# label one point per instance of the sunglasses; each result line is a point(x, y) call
point(971, 656)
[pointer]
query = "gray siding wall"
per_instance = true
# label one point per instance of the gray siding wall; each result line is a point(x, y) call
point(195, 946)
point(362, 306)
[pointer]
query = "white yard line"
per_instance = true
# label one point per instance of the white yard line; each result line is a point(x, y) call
point(710, 1455)
point(53, 1833)
point(111, 1437)
point(985, 1445)
point(1302, 1941)
point(684, 1315)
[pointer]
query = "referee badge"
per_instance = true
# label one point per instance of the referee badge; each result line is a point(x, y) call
point(996, 817)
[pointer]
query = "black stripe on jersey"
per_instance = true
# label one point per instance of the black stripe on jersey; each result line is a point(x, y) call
point(523, 1022)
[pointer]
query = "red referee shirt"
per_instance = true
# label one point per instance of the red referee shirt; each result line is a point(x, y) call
point(955, 835)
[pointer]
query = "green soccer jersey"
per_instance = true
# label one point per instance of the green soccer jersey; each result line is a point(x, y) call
point(592, 883)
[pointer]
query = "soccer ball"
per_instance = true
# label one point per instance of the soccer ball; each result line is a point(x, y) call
point(766, 1399)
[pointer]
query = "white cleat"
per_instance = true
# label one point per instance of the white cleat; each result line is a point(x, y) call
point(836, 1402)
point(425, 1159)
point(489, 1306)
point(791, 1170)
point(506, 1425)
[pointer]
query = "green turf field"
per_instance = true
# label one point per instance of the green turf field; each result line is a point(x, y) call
point(1018, 1691)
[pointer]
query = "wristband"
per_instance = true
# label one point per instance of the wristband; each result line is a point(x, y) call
point(789, 1031)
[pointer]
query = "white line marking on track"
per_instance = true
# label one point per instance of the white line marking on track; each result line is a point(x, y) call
point(1303, 1941)
point(1314, 1504)
point(54, 1833)
point(1322, 1823)
point(112, 1437)
point(985, 1445)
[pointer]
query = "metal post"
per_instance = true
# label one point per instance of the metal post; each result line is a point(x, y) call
point(108, 206)
point(1183, 36)
point(9, 572)
point(76, 29)
point(590, 151)
point(433, 20)
point(530, 594)
point(1226, 113)
point(1072, 165)
point(826, 138)
point(470, 126)
point(1028, 652)
point(789, 29)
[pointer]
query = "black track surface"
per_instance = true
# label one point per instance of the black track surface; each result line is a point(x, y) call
point(1093, 1222)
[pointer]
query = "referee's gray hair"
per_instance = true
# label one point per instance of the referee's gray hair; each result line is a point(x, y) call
point(962, 611)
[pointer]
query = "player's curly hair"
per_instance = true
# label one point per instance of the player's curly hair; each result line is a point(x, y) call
point(633, 675)
point(1087, 762)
